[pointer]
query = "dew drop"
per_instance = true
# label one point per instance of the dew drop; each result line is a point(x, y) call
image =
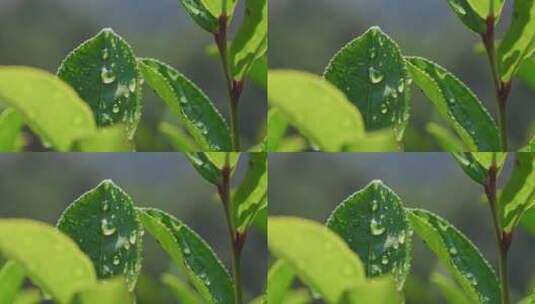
point(402, 237)
point(401, 86)
point(132, 85)
point(116, 260)
point(384, 110)
point(453, 251)
point(457, 8)
point(115, 108)
point(107, 75)
point(107, 227)
point(132, 238)
point(373, 54)
point(375, 75)
point(374, 205)
point(105, 205)
point(187, 251)
point(376, 270)
point(105, 54)
point(183, 99)
point(384, 260)
point(376, 228)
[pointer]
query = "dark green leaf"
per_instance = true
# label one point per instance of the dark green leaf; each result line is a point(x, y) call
point(526, 72)
point(259, 72)
point(251, 40)
point(251, 195)
point(519, 41)
point(306, 99)
point(192, 254)
point(374, 225)
point(104, 72)
point(457, 103)
point(464, 10)
point(371, 71)
point(519, 194)
point(61, 272)
point(190, 104)
point(104, 224)
point(471, 166)
point(279, 280)
point(59, 121)
point(11, 278)
point(11, 124)
point(469, 268)
point(319, 257)
point(205, 167)
point(182, 292)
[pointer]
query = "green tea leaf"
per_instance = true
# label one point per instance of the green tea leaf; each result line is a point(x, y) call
point(179, 140)
point(376, 141)
point(528, 221)
point(219, 159)
point(379, 291)
point(457, 103)
point(448, 141)
point(205, 167)
point(61, 272)
point(469, 268)
point(190, 104)
point(371, 71)
point(306, 99)
point(192, 254)
point(11, 278)
point(297, 296)
point(484, 8)
point(526, 72)
point(11, 124)
point(199, 12)
point(519, 193)
point(104, 224)
point(471, 166)
point(107, 139)
point(250, 42)
point(251, 195)
point(279, 280)
point(28, 296)
point(373, 223)
point(106, 292)
point(63, 118)
point(468, 15)
point(319, 257)
point(519, 41)
point(259, 72)
point(292, 144)
point(449, 290)
point(104, 72)
point(277, 126)
point(182, 292)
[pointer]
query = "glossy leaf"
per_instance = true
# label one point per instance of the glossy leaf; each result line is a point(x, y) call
point(178, 139)
point(11, 124)
point(446, 140)
point(108, 139)
point(279, 280)
point(194, 109)
point(61, 272)
point(449, 290)
point(205, 167)
point(519, 41)
point(104, 224)
point(192, 254)
point(104, 72)
point(373, 223)
point(277, 126)
point(106, 292)
point(319, 257)
point(251, 195)
point(11, 278)
point(61, 120)
point(182, 292)
point(471, 167)
point(468, 15)
point(250, 42)
point(371, 72)
point(199, 12)
point(469, 268)
point(457, 103)
point(306, 99)
point(379, 291)
point(519, 193)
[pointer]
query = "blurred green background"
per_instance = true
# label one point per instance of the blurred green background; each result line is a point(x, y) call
point(41, 33)
point(305, 34)
point(311, 185)
point(40, 186)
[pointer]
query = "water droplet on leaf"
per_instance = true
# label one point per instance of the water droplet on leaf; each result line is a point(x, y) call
point(376, 228)
point(375, 75)
point(107, 75)
point(107, 227)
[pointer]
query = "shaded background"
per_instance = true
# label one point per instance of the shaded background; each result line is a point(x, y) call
point(311, 185)
point(305, 34)
point(40, 186)
point(41, 33)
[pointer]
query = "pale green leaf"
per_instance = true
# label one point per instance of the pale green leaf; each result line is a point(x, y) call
point(194, 109)
point(104, 72)
point(471, 166)
point(205, 17)
point(59, 121)
point(485, 7)
point(11, 124)
point(468, 15)
point(192, 254)
point(11, 279)
point(279, 280)
point(306, 100)
point(376, 141)
point(448, 141)
point(449, 290)
point(465, 262)
point(107, 139)
point(61, 272)
point(104, 224)
point(371, 71)
point(373, 223)
point(182, 292)
point(179, 140)
point(457, 103)
point(277, 125)
point(378, 291)
point(106, 292)
point(28, 296)
point(319, 257)
point(292, 144)
point(519, 41)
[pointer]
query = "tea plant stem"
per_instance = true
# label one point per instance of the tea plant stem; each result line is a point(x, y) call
point(501, 89)
point(234, 88)
point(236, 239)
point(503, 240)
